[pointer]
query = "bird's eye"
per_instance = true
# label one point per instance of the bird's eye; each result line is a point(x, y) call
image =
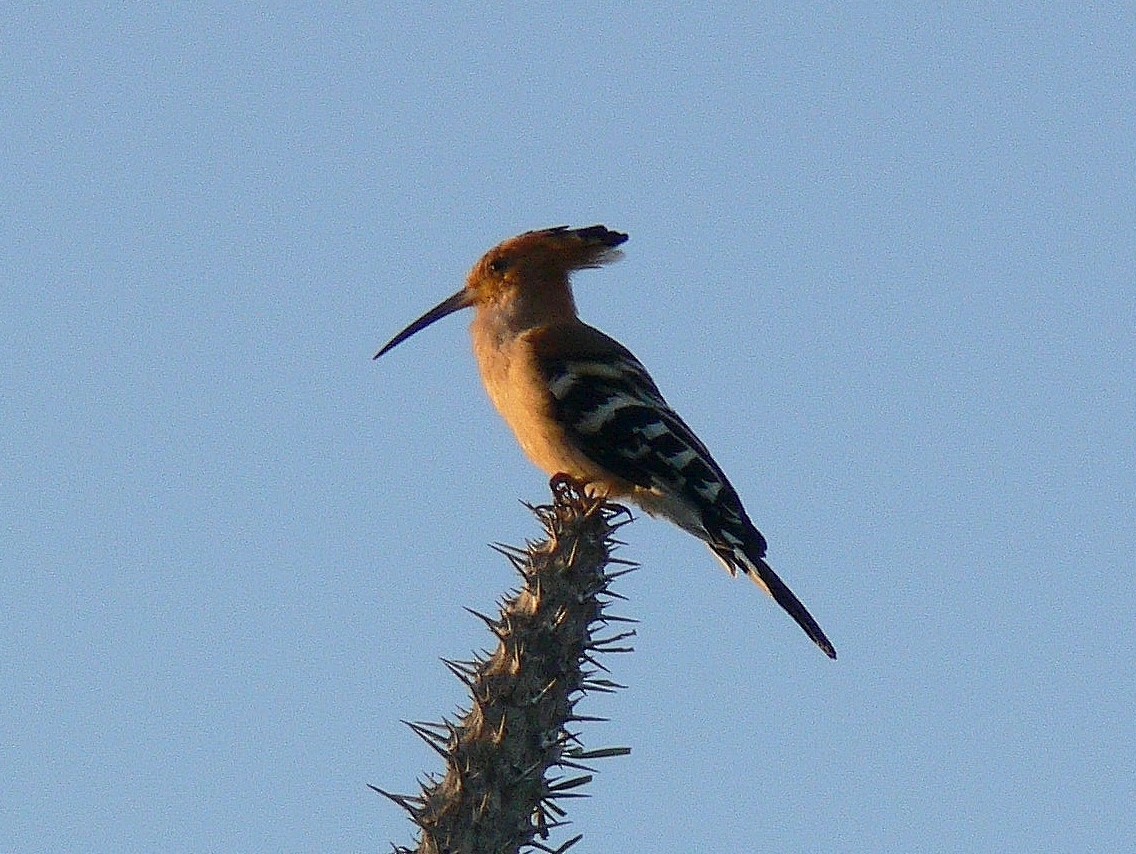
point(499, 265)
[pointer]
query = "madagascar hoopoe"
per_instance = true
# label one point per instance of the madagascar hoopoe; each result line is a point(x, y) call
point(582, 405)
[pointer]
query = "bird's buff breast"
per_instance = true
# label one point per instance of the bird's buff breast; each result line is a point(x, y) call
point(518, 390)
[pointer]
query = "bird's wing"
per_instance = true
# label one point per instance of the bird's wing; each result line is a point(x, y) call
point(615, 414)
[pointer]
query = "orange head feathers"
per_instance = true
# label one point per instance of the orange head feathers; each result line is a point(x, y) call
point(548, 254)
point(527, 274)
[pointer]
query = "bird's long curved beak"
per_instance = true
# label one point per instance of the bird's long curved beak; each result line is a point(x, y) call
point(462, 299)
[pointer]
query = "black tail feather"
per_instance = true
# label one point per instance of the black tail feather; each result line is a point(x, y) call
point(762, 574)
point(788, 600)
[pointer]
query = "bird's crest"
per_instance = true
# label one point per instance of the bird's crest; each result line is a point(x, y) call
point(563, 248)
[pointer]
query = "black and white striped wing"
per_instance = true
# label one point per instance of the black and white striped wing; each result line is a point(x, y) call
point(615, 414)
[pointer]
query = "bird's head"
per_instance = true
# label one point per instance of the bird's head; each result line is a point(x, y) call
point(528, 274)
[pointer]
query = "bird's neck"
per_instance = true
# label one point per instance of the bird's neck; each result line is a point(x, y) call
point(519, 312)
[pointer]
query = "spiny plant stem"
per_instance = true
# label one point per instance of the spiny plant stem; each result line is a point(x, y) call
point(501, 792)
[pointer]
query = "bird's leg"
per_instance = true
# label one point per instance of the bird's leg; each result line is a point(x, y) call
point(564, 486)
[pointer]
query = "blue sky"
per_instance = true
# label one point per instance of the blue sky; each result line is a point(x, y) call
point(881, 259)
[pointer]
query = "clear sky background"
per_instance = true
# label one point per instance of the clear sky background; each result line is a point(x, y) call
point(882, 259)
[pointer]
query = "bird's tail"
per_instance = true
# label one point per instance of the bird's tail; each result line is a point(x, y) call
point(761, 573)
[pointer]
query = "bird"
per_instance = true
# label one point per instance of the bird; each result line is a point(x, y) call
point(582, 406)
